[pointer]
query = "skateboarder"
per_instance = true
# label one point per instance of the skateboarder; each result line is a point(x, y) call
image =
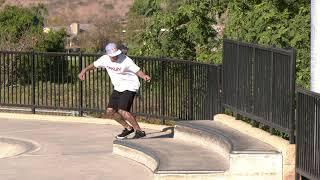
point(124, 75)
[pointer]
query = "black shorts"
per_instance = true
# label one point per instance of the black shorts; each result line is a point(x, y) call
point(121, 100)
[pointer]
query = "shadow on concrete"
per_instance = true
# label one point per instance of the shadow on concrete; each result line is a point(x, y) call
point(163, 134)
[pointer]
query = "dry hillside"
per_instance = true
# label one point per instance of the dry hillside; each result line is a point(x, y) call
point(62, 12)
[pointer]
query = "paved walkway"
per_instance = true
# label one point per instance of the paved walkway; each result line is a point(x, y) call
point(72, 151)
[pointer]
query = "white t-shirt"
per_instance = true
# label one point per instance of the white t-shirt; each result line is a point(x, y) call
point(122, 72)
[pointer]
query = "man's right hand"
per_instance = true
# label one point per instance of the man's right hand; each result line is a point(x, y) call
point(82, 75)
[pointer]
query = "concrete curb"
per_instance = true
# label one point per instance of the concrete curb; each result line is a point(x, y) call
point(73, 119)
point(249, 163)
point(148, 158)
point(287, 150)
point(221, 144)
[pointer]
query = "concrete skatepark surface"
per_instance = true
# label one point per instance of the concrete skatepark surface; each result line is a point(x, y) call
point(14, 147)
point(66, 147)
point(73, 151)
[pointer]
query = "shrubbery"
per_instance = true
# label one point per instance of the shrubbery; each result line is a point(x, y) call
point(22, 30)
point(189, 32)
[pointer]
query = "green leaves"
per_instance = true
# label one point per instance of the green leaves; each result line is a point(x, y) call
point(146, 7)
point(52, 42)
point(16, 21)
point(277, 22)
point(21, 29)
point(187, 32)
point(184, 33)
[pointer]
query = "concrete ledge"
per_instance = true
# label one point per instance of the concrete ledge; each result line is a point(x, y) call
point(222, 176)
point(218, 142)
point(72, 119)
point(190, 176)
point(147, 159)
point(256, 164)
point(246, 165)
point(180, 163)
point(287, 150)
point(247, 156)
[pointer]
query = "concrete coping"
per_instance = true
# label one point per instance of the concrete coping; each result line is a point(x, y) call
point(283, 146)
point(142, 155)
point(222, 139)
point(149, 158)
point(215, 141)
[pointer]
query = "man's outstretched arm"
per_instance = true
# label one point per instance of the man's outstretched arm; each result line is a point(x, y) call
point(82, 74)
point(142, 75)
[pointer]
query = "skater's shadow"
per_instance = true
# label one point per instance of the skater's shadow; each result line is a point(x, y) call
point(167, 132)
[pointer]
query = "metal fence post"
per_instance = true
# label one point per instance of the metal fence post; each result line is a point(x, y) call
point(209, 100)
point(252, 79)
point(292, 99)
point(211, 106)
point(271, 91)
point(162, 92)
point(80, 87)
point(191, 114)
point(33, 88)
point(220, 89)
point(237, 80)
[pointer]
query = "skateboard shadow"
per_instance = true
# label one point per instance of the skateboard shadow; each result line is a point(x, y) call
point(153, 135)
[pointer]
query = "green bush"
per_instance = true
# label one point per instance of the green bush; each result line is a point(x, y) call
point(274, 23)
point(185, 33)
point(146, 7)
point(22, 30)
point(52, 42)
point(15, 21)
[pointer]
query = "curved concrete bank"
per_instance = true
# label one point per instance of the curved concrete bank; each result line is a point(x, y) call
point(10, 147)
point(286, 149)
point(143, 156)
point(198, 150)
point(204, 150)
point(168, 158)
point(248, 157)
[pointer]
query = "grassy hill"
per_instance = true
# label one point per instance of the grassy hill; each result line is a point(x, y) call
point(63, 12)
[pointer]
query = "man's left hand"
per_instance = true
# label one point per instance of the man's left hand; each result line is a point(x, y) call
point(147, 78)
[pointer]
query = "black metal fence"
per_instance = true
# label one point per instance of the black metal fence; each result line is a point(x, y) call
point(178, 90)
point(308, 134)
point(259, 83)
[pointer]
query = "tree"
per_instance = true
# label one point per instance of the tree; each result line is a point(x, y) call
point(51, 42)
point(279, 22)
point(22, 30)
point(146, 7)
point(185, 33)
point(17, 21)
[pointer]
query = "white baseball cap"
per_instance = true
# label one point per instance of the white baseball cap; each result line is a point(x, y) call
point(112, 50)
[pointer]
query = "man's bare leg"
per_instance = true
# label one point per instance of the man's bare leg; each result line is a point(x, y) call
point(110, 112)
point(128, 117)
